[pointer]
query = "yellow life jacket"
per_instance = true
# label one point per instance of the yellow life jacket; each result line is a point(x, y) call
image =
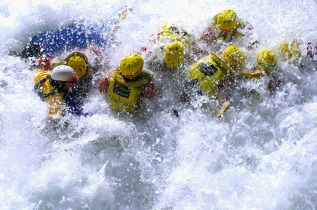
point(170, 33)
point(125, 95)
point(227, 37)
point(209, 72)
point(47, 92)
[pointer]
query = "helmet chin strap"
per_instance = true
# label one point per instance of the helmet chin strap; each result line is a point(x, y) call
point(266, 65)
point(62, 87)
point(134, 78)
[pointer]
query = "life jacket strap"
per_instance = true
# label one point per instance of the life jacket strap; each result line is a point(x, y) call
point(43, 96)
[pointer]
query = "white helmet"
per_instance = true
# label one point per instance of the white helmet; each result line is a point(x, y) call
point(64, 73)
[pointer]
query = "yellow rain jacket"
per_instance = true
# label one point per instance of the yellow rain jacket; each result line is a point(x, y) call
point(125, 95)
point(209, 72)
point(48, 92)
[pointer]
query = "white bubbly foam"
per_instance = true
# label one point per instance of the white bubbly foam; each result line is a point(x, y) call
point(260, 155)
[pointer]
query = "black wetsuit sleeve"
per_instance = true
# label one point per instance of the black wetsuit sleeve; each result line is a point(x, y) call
point(190, 89)
point(80, 90)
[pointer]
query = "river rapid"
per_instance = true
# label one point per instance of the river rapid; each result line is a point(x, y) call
point(260, 155)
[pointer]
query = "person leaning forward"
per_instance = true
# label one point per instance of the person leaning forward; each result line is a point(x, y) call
point(214, 76)
point(53, 87)
point(128, 85)
point(226, 27)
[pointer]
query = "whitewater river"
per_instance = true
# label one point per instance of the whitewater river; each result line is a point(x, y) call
point(262, 154)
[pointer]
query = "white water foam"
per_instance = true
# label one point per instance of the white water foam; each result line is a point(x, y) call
point(260, 155)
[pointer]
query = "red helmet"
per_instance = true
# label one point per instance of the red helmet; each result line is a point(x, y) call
point(45, 63)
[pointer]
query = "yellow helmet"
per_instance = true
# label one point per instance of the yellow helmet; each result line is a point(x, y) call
point(78, 61)
point(290, 50)
point(174, 54)
point(266, 59)
point(234, 56)
point(131, 65)
point(227, 20)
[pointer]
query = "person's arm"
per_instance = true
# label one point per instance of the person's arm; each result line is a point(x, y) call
point(153, 39)
point(54, 104)
point(207, 35)
point(74, 108)
point(190, 88)
point(196, 52)
point(274, 84)
point(249, 30)
point(45, 63)
point(312, 51)
point(95, 57)
point(228, 82)
point(103, 85)
point(149, 91)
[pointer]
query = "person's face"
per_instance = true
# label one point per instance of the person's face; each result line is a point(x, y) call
point(67, 85)
point(226, 32)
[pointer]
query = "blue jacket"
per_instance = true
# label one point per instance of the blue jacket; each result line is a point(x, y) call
point(73, 108)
